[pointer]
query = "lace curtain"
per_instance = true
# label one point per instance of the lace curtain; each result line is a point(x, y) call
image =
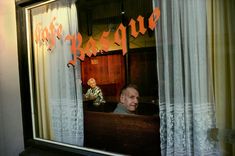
point(58, 89)
point(185, 89)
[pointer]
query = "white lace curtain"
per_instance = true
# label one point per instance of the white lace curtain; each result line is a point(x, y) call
point(185, 90)
point(59, 112)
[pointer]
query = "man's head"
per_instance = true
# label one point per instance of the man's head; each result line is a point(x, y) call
point(91, 82)
point(129, 97)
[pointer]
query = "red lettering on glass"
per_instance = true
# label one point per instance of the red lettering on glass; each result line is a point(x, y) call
point(37, 33)
point(44, 35)
point(153, 18)
point(121, 31)
point(91, 48)
point(49, 36)
point(59, 31)
point(74, 48)
point(142, 29)
point(104, 41)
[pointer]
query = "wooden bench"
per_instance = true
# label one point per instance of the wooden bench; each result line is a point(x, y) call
point(109, 107)
point(125, 134)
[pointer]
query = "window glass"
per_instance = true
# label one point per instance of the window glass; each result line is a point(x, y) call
point(81, 55)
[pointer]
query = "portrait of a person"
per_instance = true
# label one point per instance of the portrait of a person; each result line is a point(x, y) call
point(129, 100)
point(94, 93)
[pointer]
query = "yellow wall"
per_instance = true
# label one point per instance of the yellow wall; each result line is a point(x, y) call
point(11, 132)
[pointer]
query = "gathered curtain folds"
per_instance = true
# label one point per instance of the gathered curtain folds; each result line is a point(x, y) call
point(59, 111)
point(221, 45)
point(187, 109)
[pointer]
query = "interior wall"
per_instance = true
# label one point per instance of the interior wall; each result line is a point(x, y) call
point(11, 131)
point(109, 73)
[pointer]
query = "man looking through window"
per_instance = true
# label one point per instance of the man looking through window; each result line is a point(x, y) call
point(129, 100)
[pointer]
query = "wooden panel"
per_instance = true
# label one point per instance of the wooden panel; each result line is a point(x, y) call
point(107, 70)
point(127, 134)
point(143, 71)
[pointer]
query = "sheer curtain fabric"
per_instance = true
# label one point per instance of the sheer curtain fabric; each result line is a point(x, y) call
point(185, 89)
point(58, 87)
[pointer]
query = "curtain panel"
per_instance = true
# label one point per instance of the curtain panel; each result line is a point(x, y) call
point(221, 45)
point(185, 88)
point(58, 87)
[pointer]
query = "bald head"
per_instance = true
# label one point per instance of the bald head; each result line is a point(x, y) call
point(129, 98)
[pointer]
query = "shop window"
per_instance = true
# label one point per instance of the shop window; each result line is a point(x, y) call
point(63, 45)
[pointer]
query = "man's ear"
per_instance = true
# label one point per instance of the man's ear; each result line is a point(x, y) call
point(122, 98)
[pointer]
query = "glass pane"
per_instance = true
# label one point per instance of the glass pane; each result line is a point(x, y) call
point(81, 55)
point(56, 91)
point(119, 62)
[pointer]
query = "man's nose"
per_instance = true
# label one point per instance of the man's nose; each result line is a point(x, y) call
point(136, 100)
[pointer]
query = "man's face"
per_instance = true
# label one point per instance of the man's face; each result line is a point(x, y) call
point(130, 99)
